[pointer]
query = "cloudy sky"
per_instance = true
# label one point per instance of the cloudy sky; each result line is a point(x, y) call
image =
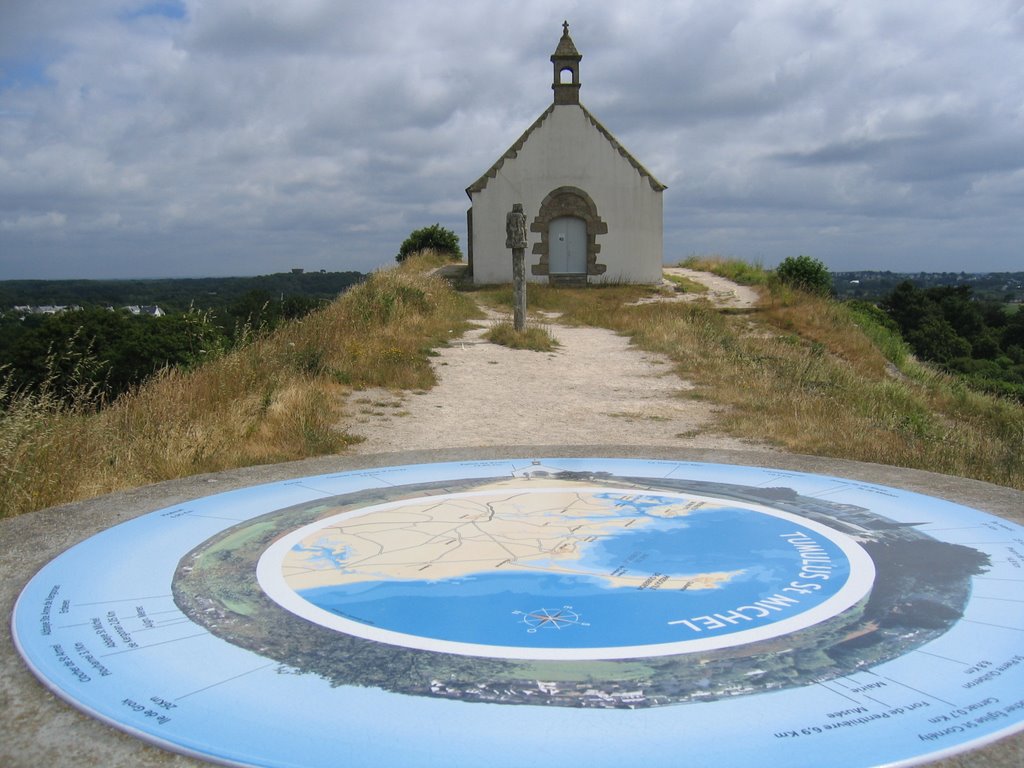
point(236, 137)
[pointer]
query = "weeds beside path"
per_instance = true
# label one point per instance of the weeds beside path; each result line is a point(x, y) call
point(707, 368)
point(804, 374)
point(594, 388)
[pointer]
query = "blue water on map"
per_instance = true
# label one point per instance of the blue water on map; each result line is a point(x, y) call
point(556, 611)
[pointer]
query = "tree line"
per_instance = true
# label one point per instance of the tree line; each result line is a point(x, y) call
point(100, 351)
point(173, 294)
point(978, 338)
point(949, 326)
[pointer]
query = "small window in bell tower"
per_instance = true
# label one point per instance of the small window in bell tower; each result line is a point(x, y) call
point(565, 76)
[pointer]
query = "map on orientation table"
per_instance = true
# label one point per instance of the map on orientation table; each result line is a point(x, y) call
point(601, 610)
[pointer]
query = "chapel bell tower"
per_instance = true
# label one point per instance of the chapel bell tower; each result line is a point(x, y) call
point(566, 59)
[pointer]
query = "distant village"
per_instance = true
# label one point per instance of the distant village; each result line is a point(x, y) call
point(1004, 287)
point(55, 309)
point(160, 297)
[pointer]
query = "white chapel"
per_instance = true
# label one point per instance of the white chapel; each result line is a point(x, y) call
point(594, 213)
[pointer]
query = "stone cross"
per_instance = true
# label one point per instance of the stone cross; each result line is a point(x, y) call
point(515, 238)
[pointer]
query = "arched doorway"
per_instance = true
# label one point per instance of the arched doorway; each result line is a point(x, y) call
point(567, 246)
point(568, 224)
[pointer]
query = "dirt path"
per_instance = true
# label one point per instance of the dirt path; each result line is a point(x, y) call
point(721, 291)
point(594, 389)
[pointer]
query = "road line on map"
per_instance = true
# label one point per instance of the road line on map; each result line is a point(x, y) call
point(225, 680)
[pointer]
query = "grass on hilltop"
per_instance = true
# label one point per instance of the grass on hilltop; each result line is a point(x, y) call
point(278, 398)
point(810, 375)
point(740, 272)
point(803, 373)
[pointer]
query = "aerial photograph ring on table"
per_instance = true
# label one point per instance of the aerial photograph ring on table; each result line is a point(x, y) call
point(638, 607)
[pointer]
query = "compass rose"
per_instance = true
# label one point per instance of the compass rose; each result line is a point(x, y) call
point(550, 618)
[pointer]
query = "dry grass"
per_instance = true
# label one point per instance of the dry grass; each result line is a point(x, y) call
point(276, 399)
point(802, 374)
point(685, 284)
point(534, 337)
point(738, 271)
point(575, 304)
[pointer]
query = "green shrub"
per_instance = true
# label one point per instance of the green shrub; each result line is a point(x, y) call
point(435, 237)
point(806, 273)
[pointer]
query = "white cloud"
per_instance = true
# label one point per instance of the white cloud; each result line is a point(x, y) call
point(235, 137)
point(49, 221)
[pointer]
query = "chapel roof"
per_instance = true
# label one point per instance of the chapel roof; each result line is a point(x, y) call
point(512, 152)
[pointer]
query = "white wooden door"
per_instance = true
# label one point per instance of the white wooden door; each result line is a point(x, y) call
point(567, 246)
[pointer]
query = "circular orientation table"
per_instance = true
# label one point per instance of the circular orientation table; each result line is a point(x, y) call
point(641, 610)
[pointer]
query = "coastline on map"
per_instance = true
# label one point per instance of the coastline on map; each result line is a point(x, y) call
point(300, 578)
point(457, 537)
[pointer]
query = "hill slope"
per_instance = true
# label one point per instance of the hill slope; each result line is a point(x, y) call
point(798, 373)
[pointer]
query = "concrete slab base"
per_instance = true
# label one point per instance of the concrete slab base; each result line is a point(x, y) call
point(36, 728)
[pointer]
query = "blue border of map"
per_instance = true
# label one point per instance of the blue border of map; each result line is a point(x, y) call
point(148, 670)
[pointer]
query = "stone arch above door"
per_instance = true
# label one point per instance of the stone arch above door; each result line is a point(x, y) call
point(568, 201)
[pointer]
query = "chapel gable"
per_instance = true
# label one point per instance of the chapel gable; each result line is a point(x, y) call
point(595, 211)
